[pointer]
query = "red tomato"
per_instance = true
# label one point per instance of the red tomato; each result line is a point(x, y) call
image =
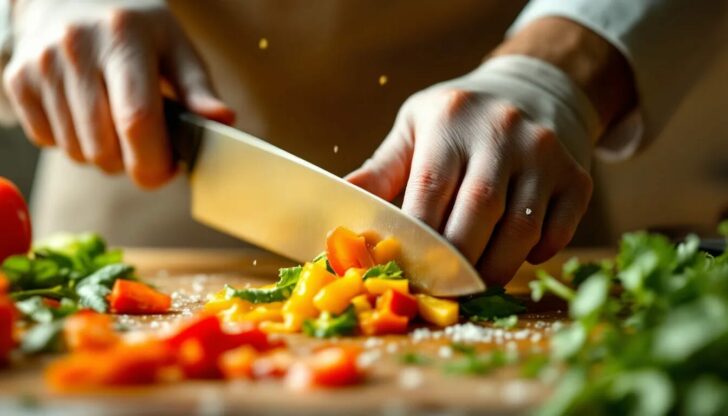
point(346, 249)
point(15, 231)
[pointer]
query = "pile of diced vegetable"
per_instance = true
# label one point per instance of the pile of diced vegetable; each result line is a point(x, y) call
point(354, 287)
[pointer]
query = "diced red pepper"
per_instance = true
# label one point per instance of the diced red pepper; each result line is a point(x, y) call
point(201, 343)
point(346, 249)
point(89, 331)
point(398, 303)
point(123, 364)
point(273, 364)
point(381, 322)
point(329, 367)
point(132, 297)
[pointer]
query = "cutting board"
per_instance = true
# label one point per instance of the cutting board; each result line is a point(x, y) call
point(390, 387)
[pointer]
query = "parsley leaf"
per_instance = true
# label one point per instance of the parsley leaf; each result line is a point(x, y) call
point(287, 280)
point(494, 303)
point(385, 271)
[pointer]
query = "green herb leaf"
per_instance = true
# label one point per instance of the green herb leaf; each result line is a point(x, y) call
point(327, 326)
point(414, 358)
point(45, 337)
point(385, 271)
point(492, 304)
point(287, 280)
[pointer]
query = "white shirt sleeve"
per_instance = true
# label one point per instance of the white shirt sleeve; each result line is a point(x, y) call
point(668, 44)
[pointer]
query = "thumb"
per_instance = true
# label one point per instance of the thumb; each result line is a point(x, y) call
point(188, 74)
point(385, 173)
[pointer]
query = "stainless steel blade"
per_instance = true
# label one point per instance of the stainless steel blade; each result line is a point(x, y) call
point(246, 187)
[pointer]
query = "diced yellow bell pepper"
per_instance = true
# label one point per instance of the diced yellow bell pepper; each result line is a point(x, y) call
point(268, 312)
point(377, 286)
point(336, 296)
point(386, 250)
point(291, 323)
point(313, 278)
point(441, 312)
point(361, 303)
point(236, 312)
point(219, 302)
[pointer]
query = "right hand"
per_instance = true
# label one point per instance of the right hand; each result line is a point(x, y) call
point(85, 76)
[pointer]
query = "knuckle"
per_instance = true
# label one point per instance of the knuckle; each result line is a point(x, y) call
point(507, 117)
point(73, 43)
point(453, 100)
point(544, 140)
point(428, 183)
point(122, 20)
point(135, 121)
point(522, 227)
point(485, 197)
point(46, 61)
point(14, 80)
point(149, 177)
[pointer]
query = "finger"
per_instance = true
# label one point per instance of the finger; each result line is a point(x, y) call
point(88, 104)
point(132, 80)
point(434, 175)
point(385, 173)
point(190, 78)
point(518, 230)
point(479, 204)
point(562, 219)
point(28, 106)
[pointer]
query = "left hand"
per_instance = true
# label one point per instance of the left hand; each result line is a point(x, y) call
point(501, 186)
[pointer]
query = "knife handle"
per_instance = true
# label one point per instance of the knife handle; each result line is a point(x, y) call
point(185, 137)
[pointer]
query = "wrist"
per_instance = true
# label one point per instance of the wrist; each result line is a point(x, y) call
point(592, 63)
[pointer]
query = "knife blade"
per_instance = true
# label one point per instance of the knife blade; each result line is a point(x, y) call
point(248, 188)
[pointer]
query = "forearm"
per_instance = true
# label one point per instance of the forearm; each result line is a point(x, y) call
point(594, 65)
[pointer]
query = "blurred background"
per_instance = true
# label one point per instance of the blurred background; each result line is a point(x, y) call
point(678, 184)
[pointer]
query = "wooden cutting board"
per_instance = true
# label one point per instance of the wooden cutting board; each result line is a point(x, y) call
point(390, 388)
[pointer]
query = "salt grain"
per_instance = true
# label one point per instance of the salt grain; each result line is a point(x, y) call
point(445, 352)
point(263, 44)
point(411, 378)
point(336, 149)
point(383, 80)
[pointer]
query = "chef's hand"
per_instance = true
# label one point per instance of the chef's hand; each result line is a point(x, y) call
point(498, 161)
point(85, 76)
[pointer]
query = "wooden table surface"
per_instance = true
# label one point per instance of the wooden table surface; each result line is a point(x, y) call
point(390, 388)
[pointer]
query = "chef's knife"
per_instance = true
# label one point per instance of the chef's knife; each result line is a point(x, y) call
point(259, 193)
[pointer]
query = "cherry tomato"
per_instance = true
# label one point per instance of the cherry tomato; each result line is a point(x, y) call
point(15, 230)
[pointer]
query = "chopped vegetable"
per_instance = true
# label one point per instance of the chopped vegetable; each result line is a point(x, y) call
point(398, 303)
point(336, 296)
point(329, 367)
point(386, 251)
point(377, 286)
point(8, 315)
point(390, 270)
point(287, 279)
point(346, 249)
point(137, 298)
point(441, 312)
point(327, 325)
point(494, 303)
point(89, 331)
point(382, 322)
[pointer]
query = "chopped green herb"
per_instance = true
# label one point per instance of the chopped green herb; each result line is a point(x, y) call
point(413, 358)
point(494, 303)
point(287, 279)
point(385, 271)
point(327, 325)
